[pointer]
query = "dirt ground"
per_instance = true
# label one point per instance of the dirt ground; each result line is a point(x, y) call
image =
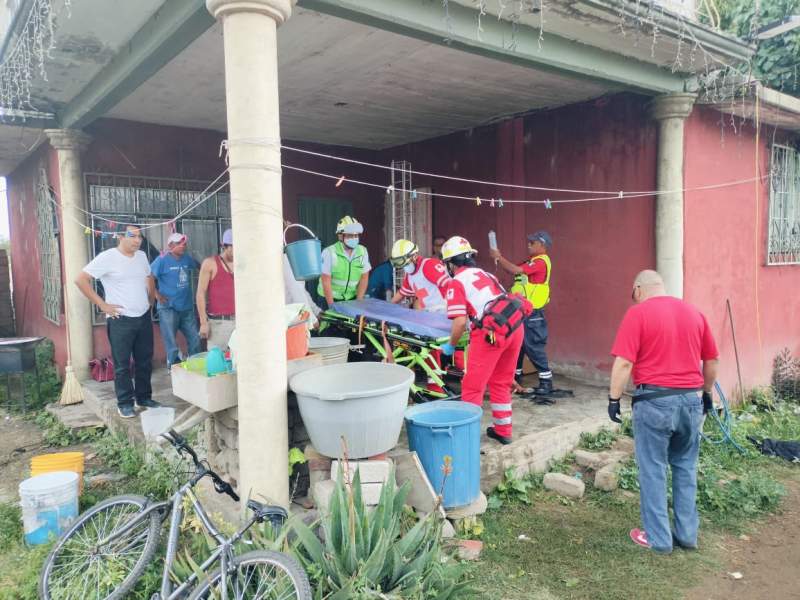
point(19, 441)
point(767, 559)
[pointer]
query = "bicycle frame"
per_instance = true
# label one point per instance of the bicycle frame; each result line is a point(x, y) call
point(223, 552)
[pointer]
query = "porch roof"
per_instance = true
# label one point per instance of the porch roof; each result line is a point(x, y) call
point(366, 73)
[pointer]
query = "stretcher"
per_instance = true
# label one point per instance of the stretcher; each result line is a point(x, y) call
point(414, 337)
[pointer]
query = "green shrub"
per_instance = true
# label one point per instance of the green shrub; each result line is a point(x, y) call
point(602, 440)
point(514, 489)
point(369, 555)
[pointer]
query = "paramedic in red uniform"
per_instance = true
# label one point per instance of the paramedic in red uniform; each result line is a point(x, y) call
point(663, 341)
point(425, 279)
point(492, 364)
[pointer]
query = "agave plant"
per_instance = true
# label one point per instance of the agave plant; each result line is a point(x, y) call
point(369, 555)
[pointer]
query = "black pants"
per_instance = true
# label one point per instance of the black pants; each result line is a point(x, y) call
point(534, 344)
point(131, 337)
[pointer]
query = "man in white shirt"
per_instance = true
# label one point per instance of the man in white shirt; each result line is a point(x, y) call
point(124, 272)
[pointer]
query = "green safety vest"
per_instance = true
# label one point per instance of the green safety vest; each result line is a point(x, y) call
point(345, 271)
point(537, 294)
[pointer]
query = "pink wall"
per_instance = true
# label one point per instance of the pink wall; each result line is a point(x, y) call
point(725, 249)
point(25, 266)
point(609, 144)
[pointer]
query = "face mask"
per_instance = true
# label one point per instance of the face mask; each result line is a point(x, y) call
point(409, 268)
point(351, 243)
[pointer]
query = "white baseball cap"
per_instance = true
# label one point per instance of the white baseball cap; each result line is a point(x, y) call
point(176, 239)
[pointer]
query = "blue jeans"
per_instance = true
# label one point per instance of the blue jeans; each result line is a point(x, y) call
point(667, 432)
point(171, 321)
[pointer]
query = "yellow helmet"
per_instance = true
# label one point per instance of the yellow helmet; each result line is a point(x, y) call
point(455, 246)
point(403, 252)
point(349, 225)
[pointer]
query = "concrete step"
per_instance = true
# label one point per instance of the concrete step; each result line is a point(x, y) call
point(102, 401)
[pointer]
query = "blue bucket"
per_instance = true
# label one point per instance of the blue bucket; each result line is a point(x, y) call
point(305, 256)
point(448, 428)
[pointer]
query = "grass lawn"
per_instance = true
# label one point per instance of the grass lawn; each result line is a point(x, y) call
point(581, 549)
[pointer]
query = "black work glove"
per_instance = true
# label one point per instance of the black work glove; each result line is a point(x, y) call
point(708, 402)
point(613, 410)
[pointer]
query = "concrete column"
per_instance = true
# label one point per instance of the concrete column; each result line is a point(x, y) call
point(251, 91)
point(670, 111)
point(69, 144)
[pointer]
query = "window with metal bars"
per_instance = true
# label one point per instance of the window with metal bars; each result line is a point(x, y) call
point(783, 245)
point(149, 202)
point(49, 249)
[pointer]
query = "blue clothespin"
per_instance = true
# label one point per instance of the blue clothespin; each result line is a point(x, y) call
point(547, 204)
point(413, 194)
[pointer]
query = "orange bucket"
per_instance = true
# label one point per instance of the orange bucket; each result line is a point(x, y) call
point(59, 461)
point(296, 341)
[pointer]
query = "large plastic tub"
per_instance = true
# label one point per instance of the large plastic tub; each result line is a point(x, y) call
point(49, 505)
point(334, 350)
point(362, 402)
point(60, 461)
point(448, 428)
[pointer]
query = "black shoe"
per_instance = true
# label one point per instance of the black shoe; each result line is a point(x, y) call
point(126, 412)
point(490, 432)
point(678, 544)
point(545, 388)
point(147, 404)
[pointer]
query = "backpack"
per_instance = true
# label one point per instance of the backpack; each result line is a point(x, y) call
point(503, 315)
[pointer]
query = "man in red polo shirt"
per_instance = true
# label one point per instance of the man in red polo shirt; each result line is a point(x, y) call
point(662, 341)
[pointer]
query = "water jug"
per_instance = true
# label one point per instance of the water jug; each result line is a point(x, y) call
point(215, 362)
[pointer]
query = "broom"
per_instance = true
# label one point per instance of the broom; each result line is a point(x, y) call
point(72, 392)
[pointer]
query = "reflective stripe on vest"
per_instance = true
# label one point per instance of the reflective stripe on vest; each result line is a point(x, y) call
point(345, 272)
point(537, 294)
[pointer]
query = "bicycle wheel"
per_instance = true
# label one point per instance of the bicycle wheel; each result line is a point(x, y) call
point(76, 569)
point(258, 575)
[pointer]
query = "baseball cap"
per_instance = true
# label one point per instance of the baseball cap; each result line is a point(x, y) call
point(175, 239)
point(541, 236)
point(227, 237)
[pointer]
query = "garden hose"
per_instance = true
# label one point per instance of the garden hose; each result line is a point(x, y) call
point(725, 423)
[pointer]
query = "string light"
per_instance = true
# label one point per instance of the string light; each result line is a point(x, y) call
point(34, 45)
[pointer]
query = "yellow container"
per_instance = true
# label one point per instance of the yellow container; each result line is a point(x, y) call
point(59, 461)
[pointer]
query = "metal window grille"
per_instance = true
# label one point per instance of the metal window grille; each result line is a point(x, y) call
point(151, 200)
point(402, 210)
point(783, 246)
point(49, 251)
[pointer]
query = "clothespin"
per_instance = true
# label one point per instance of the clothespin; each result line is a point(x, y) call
point(87, 231)
point(413, 194)
point(477, 201)
point(97, 233)
point(621, 195)
point(492, 203)
point(547, 204)
point(112, 224)
point(500, 203)
point(390, 189)
point(340, 181)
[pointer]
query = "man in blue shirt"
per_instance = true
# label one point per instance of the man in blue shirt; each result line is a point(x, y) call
point(172, 273)
point(381, 281)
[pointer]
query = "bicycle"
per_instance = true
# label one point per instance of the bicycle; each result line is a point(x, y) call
point(105, 552)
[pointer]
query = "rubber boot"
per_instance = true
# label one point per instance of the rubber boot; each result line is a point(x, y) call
point(545, 388)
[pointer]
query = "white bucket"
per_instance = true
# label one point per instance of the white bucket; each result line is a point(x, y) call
point(156, 421)
point(49, 505)
point(334, 350)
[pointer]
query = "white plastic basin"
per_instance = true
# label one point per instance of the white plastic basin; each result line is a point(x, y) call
point(363, 402)
point(156, 421)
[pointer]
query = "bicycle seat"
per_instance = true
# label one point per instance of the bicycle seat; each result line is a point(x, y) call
point(267, 511)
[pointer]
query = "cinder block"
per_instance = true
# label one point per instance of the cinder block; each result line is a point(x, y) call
point(421, 497)
point(564, 485)
point(371, 471)
point(321, 492)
